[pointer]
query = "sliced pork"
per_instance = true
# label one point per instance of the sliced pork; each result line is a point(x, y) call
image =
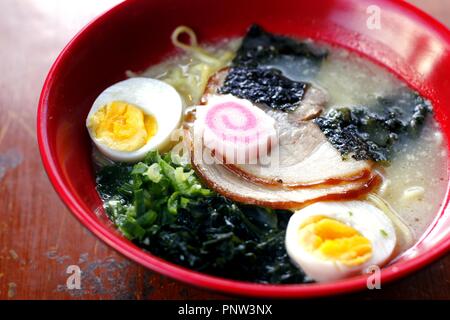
point(232, 186)
point(303, 157)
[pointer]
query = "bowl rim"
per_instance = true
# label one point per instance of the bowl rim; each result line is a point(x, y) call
point(191, 277)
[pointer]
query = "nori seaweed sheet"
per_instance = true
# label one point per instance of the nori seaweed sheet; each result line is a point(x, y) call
point(259, 47)
point(266, 86)
point(250, 79)
point(370, 134)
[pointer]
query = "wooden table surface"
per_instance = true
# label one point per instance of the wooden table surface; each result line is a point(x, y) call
point(39, 238)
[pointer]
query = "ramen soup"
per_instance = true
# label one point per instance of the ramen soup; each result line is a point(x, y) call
point(268, 159)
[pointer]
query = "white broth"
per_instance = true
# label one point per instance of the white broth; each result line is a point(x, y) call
point(414, 183)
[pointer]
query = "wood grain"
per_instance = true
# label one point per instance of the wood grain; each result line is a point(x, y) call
point(39, 238)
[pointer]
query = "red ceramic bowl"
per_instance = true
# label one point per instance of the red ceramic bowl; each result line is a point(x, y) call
point(136, 34)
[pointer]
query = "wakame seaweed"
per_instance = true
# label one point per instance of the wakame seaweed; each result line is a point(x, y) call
point(161, 205)
point(250, 76)
point(371, 133)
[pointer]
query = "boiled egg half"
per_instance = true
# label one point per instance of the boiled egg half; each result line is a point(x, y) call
point(334, 240)
point(134, 116)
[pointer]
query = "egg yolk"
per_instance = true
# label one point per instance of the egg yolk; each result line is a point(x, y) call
point(333, 240)
point(123, 126)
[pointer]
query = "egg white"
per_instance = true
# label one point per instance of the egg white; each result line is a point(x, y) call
point(153, 97)
point(365, 218)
